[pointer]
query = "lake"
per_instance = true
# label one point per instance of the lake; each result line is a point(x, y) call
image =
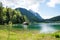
point(41, 27)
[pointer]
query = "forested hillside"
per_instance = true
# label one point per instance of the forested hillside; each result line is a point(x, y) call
point(8, 15)
point(53, 19)
point(31, 15)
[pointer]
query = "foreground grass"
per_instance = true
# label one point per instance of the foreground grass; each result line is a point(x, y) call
point(17, 34)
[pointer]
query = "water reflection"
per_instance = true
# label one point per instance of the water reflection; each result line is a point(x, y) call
point(46, 28)
point(42, 27)
point(25, 26)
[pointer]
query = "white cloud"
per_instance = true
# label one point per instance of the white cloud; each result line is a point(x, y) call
point(28, 4)
point(20, 3)
point(35, 7)
point(52, 3)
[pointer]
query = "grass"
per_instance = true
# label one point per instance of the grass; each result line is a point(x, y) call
point(18, 34)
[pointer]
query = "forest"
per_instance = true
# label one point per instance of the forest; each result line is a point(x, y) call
point(8, 15)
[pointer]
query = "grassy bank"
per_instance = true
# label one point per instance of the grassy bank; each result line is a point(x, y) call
point(18, 34)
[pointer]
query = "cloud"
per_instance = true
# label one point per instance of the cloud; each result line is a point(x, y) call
point(52, 3)
point(20, 3)
point(34, 7)
point(6, 3)
point(28, 4)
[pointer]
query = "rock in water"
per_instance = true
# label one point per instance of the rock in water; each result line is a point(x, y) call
point(25, 23)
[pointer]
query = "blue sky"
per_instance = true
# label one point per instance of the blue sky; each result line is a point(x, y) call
point(48, 11)
point(45, 8)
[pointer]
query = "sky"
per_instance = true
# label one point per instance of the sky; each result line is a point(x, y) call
point(46, 8)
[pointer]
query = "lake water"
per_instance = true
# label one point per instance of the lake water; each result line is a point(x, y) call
point(42, 27)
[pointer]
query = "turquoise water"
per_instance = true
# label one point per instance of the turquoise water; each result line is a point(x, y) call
point(42, 27)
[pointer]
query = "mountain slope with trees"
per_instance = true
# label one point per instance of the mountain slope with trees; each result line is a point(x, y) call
point(31, 15)
point(53, 19)
point(10, 15)
point(16, 16)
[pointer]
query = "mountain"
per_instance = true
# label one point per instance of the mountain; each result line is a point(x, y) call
point(53, 19)
point(31, 15)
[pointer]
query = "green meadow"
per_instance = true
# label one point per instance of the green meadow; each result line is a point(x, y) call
point(11, 33)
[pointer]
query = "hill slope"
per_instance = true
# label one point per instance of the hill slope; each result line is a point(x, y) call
point(31, 15)
point(53, 19)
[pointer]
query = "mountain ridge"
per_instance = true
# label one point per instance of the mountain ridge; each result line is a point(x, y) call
point(31, 15)
point(53, 19)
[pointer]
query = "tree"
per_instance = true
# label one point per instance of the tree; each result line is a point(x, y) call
point(1, 9)
point(26, 19)
point(17, 18)
point(10, 15)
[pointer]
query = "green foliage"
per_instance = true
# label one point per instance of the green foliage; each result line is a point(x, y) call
point(1, 13)
point(26, 19)
point(20, 34)
point(10, 15)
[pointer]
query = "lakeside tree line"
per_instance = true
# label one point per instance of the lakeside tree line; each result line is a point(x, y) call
point(10, 15)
